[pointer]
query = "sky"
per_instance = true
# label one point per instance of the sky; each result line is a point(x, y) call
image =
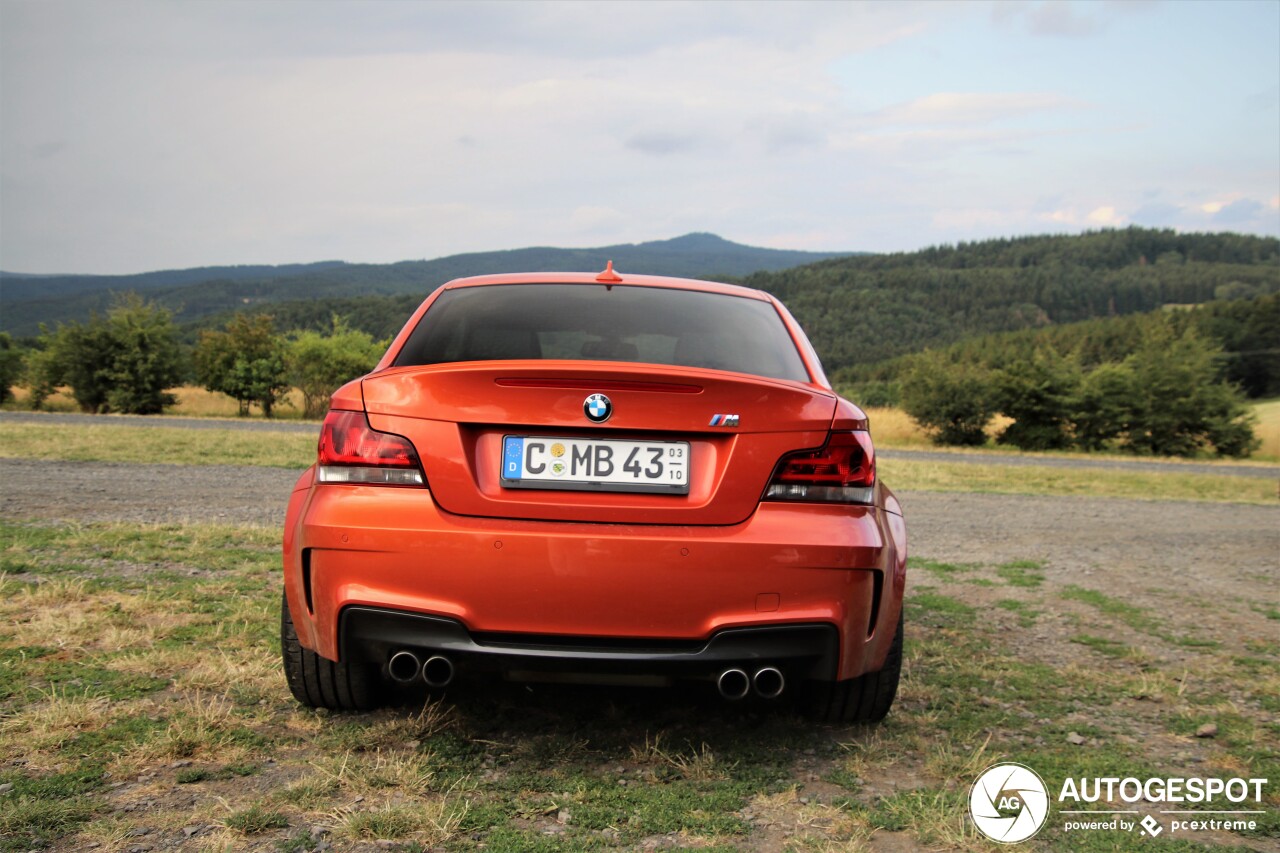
point(137, 136)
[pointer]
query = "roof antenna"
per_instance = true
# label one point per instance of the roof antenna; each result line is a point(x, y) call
point(609, 277)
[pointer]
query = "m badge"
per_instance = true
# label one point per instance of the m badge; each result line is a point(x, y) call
point(724, 421)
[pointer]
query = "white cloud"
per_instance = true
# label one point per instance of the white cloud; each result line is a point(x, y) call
point(136, 135)
point(1105, 216)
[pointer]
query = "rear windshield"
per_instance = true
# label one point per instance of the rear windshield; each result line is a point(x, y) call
point(687, 328)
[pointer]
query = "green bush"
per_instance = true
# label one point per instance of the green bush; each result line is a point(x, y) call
point(1177, 404)
point(876, 393)
point(1102, 408)
point(10, 366)
point(319, 364)
point(246, 361)
point(1166, 398)
point(119, 363)
point(953, 402)
point(1041, 395)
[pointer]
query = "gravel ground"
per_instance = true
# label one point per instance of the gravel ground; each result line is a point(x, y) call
point(1205, 543)
point(119, 491)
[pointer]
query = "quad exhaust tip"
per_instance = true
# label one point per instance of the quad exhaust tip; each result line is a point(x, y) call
point(404, 667)
point(437, 671)
point(769, 682)
point(733, 684)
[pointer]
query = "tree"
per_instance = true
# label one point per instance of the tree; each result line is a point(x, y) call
point(10, 366)
point(1102, 407)
point(147, 358)
point(246, 362)
point(1040, 394)
point(1178, 404)
point(122, 362)
point(78, 355)
point(952, 401)
point(319, 364)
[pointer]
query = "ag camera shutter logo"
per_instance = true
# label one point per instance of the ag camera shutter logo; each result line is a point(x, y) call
point(1009, 803)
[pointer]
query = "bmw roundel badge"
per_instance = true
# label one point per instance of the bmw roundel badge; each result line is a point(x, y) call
point(597, 408)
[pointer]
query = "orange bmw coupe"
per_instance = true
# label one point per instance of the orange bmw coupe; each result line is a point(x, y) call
point(613, 479)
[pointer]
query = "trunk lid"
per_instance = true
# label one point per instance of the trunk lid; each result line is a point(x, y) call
point(458, 414)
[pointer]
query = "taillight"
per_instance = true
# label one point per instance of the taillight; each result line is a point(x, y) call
point(843, 471)
point(351, 451)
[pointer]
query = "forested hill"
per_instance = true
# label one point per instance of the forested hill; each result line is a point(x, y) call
point(27, 301)
point(1247, 330)
point(864, 310)
point(16, 287)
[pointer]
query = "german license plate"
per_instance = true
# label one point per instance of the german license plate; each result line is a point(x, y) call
point(590, 464)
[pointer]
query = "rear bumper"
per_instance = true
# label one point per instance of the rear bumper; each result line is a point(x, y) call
point(501, 592)
point(374, 634)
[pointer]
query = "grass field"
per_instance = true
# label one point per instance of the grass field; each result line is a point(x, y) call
point(175, 445)
point(891, 427)
point(142, 698)
point(118, 443)
point(1268, 429)
point(193, 401)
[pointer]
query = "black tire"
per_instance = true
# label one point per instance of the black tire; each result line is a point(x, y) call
point(865, 699)
point(320, 683)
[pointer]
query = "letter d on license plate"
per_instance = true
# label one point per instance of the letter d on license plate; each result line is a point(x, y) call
point(589, 464)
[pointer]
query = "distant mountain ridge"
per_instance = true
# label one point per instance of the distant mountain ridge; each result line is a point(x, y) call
point(27, 301)
point(21, 286)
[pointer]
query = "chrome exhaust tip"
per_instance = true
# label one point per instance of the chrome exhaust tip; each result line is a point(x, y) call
point(437, 671)
point(769, 682)
point(404, 666)
point(733, 684)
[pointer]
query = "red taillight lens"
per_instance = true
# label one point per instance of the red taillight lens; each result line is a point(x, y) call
point(843, 471)
point(351, 451)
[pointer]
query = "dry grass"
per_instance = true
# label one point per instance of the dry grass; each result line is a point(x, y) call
point(367, 774)
point(84, 623)
point(121, 746)
point(892, 427)
point(55, 719)
point(430, 822)
point(1268, 429)
point(197, 402)
point(698, 764)
point(193, 402)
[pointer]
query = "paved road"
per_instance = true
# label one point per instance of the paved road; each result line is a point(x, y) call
point(1108, 462)
point(159, 421)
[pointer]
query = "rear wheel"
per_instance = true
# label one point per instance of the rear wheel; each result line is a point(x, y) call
point(865, 699)
point(320, 683)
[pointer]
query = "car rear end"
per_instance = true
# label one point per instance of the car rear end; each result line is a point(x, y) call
point(635, 481)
